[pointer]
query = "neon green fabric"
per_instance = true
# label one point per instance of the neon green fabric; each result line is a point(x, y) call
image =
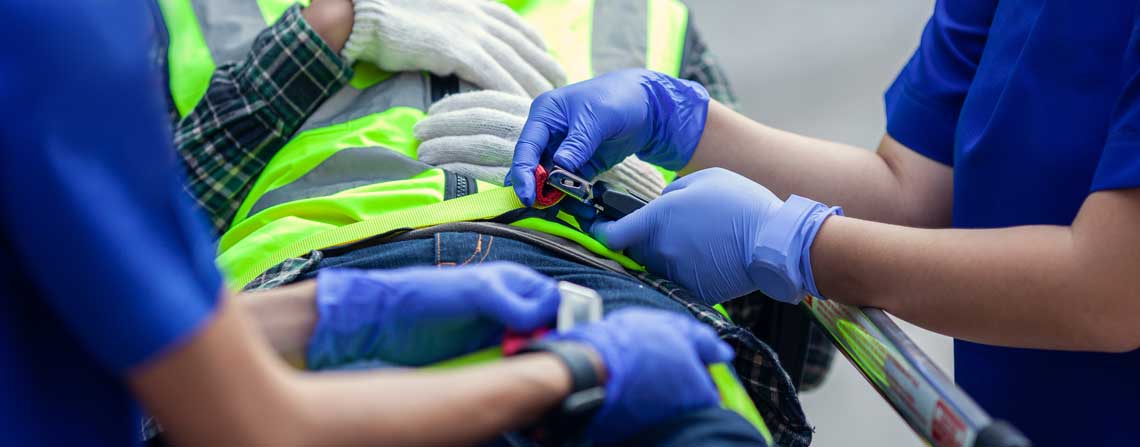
point(665, 46)
point(191, 64)
point(271, 10)
point(734, 397)
point(391, 129)
point(567, 26)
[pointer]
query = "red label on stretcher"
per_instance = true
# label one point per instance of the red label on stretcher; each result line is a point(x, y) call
point(947, 430)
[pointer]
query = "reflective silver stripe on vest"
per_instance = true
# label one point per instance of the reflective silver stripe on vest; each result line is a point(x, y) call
point(401, 90)
point(619, 37)
point(229, 27)
point(344, 170)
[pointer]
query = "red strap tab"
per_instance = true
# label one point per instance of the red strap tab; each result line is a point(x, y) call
point(544, 195)
point(515, 341)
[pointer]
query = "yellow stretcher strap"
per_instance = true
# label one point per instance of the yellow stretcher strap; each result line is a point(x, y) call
point(481, 206)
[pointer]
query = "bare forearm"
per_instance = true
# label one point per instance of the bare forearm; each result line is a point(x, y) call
point(332, 20)
point(439, 408)
point(285, 315)
point(869, 185)
point(224, 387)
point(1046, 287)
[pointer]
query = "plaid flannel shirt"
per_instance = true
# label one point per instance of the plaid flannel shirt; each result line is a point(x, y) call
point(251, 109)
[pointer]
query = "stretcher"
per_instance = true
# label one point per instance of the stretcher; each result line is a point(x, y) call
point(933, 406)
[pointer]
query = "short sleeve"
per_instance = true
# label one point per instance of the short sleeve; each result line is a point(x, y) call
point(1119, 165)
point(925, 99)
point(89, 188)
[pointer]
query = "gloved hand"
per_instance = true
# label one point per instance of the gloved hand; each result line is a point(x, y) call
point(655, 366)
point(421, 315)
point(592, 125)
point(474, 134)
point(482, 42)
point(722, 236)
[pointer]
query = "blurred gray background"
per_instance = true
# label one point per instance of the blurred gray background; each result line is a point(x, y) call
point(819, 68)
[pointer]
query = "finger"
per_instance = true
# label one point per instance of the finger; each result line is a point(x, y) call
point(478, 121)
point(577, 148)
point(591, 168)
point(525, 74)
point(709, 347)
point(528, 151)
point(488, 99)
point(699, 176)
point(510, 30)
point(484, 150)
point(629, 231)
point(526, 300)
point(506, 15)
point(480, 68)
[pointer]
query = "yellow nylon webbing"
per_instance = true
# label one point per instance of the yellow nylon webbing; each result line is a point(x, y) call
point(485, 205)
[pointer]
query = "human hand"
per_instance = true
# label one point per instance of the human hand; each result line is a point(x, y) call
point(482, 42)
point(655, 364)
point(474, 134)
point(722, 236)
point(592, 125)
point(420, 315)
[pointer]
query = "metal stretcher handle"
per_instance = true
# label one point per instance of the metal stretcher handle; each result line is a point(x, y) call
point(933, 405)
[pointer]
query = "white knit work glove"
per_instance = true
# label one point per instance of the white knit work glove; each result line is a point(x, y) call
point(475, 133)
point(481, 42)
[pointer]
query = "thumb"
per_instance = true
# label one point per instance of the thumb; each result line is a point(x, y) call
point(523, 299)
point(709, 347)
point(528, 152)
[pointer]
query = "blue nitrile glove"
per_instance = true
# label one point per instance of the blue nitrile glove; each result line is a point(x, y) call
point(596, 124)
point(421, 315)
point(722, 236)
point(656, 369)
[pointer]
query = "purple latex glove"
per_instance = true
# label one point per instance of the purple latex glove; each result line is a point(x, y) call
point(656, 368)
point(421, 315)
point(723, 236)
point(593, 125)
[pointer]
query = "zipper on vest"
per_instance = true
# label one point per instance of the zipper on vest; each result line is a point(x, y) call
point(458, 185)
point(442, 86)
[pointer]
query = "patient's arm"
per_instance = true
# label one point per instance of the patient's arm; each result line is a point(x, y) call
point(285, 315)
point(193, 389)
point(247, 114)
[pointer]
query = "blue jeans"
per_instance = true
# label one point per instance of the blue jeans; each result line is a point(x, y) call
point(713, 426)
point(455, 249)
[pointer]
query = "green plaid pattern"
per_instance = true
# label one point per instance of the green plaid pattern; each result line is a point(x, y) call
point(251, 109)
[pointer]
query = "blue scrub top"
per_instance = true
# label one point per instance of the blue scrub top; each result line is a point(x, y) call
point(105, 265)
point(1035, 104)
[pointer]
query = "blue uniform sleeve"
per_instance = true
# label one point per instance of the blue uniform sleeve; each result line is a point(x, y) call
point(923, 102)
point(88, 183)
point(1119, 165)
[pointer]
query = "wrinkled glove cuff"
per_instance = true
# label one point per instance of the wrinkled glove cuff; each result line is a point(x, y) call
point(368, 15)
point(781, 263)
point(348, 322)
point(680, 110)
